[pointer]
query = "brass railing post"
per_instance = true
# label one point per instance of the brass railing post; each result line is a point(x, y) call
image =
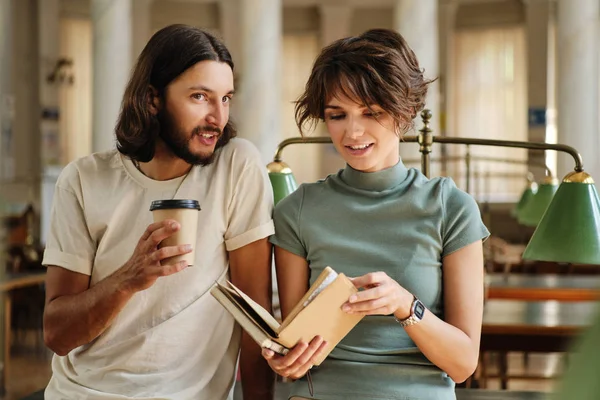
point(425, 140)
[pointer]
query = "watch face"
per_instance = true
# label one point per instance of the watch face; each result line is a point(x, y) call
point(419, 309)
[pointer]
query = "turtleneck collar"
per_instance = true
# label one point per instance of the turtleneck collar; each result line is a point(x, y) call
point(375, 181)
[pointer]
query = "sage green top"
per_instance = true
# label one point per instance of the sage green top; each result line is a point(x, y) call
point(397, 221)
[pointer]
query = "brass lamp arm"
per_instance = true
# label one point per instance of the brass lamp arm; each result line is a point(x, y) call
point(507, 143)
point(299, 140)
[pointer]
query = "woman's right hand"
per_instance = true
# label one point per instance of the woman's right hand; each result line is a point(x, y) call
point(298, 361)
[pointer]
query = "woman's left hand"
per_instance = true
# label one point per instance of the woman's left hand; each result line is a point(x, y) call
point(381, 296)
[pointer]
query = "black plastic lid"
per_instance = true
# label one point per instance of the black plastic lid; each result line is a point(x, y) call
point(173, 204)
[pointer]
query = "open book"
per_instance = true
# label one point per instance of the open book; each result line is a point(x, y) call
point(319, 312)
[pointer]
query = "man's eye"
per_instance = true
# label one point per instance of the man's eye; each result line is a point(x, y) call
point(226, 99)
point(199, 96)
point(337, 116)
point(373, 114)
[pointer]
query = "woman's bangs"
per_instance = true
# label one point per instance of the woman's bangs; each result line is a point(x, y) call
point(341, 84)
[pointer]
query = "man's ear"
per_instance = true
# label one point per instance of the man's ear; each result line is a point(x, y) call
point(153, 100)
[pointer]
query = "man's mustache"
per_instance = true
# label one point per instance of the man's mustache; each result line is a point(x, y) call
point(202, 129)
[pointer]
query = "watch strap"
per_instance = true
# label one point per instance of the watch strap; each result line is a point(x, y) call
point(413, 318)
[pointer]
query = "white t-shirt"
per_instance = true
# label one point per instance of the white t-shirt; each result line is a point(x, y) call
point(173, 340)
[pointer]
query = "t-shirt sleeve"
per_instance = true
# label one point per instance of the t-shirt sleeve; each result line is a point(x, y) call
point(69, 244)
point(462, 223)
point(287, 223)
point(251, 208)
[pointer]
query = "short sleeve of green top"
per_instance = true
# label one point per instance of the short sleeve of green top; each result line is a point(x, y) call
point(396, 221)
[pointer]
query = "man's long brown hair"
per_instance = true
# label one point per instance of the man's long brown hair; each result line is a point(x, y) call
point(169, 53)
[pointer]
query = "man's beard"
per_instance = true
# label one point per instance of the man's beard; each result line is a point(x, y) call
point(179, 143)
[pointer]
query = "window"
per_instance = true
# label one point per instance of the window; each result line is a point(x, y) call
point(490, 101)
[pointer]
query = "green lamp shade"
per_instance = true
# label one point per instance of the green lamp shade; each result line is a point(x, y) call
point(569, 230)
point(533, 210)
point(283, 183)
point(525, 197)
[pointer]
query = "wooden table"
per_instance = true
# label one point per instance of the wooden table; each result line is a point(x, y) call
point(16, 281)
point(511, 325)
point(543, 287)
point(9, 283)
point(531, 326)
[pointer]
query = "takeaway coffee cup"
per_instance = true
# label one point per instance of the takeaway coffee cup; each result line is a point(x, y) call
point(186, 213)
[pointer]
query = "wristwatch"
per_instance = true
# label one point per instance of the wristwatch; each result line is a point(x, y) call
point(417, 310)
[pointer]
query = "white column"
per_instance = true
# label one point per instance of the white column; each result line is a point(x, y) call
point(51, 157)
point(141, 26)
point(231, 33)
point(111, 21)
point(7, 98)
point(537, 13)
point(335, 24)
point(258, 106)
point(447, 88)
point(54, 149)
point(231, 30)
point(417, 22)
point(578, 85)
point(260, 77)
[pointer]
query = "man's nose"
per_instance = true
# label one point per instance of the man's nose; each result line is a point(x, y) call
point(217, 115)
